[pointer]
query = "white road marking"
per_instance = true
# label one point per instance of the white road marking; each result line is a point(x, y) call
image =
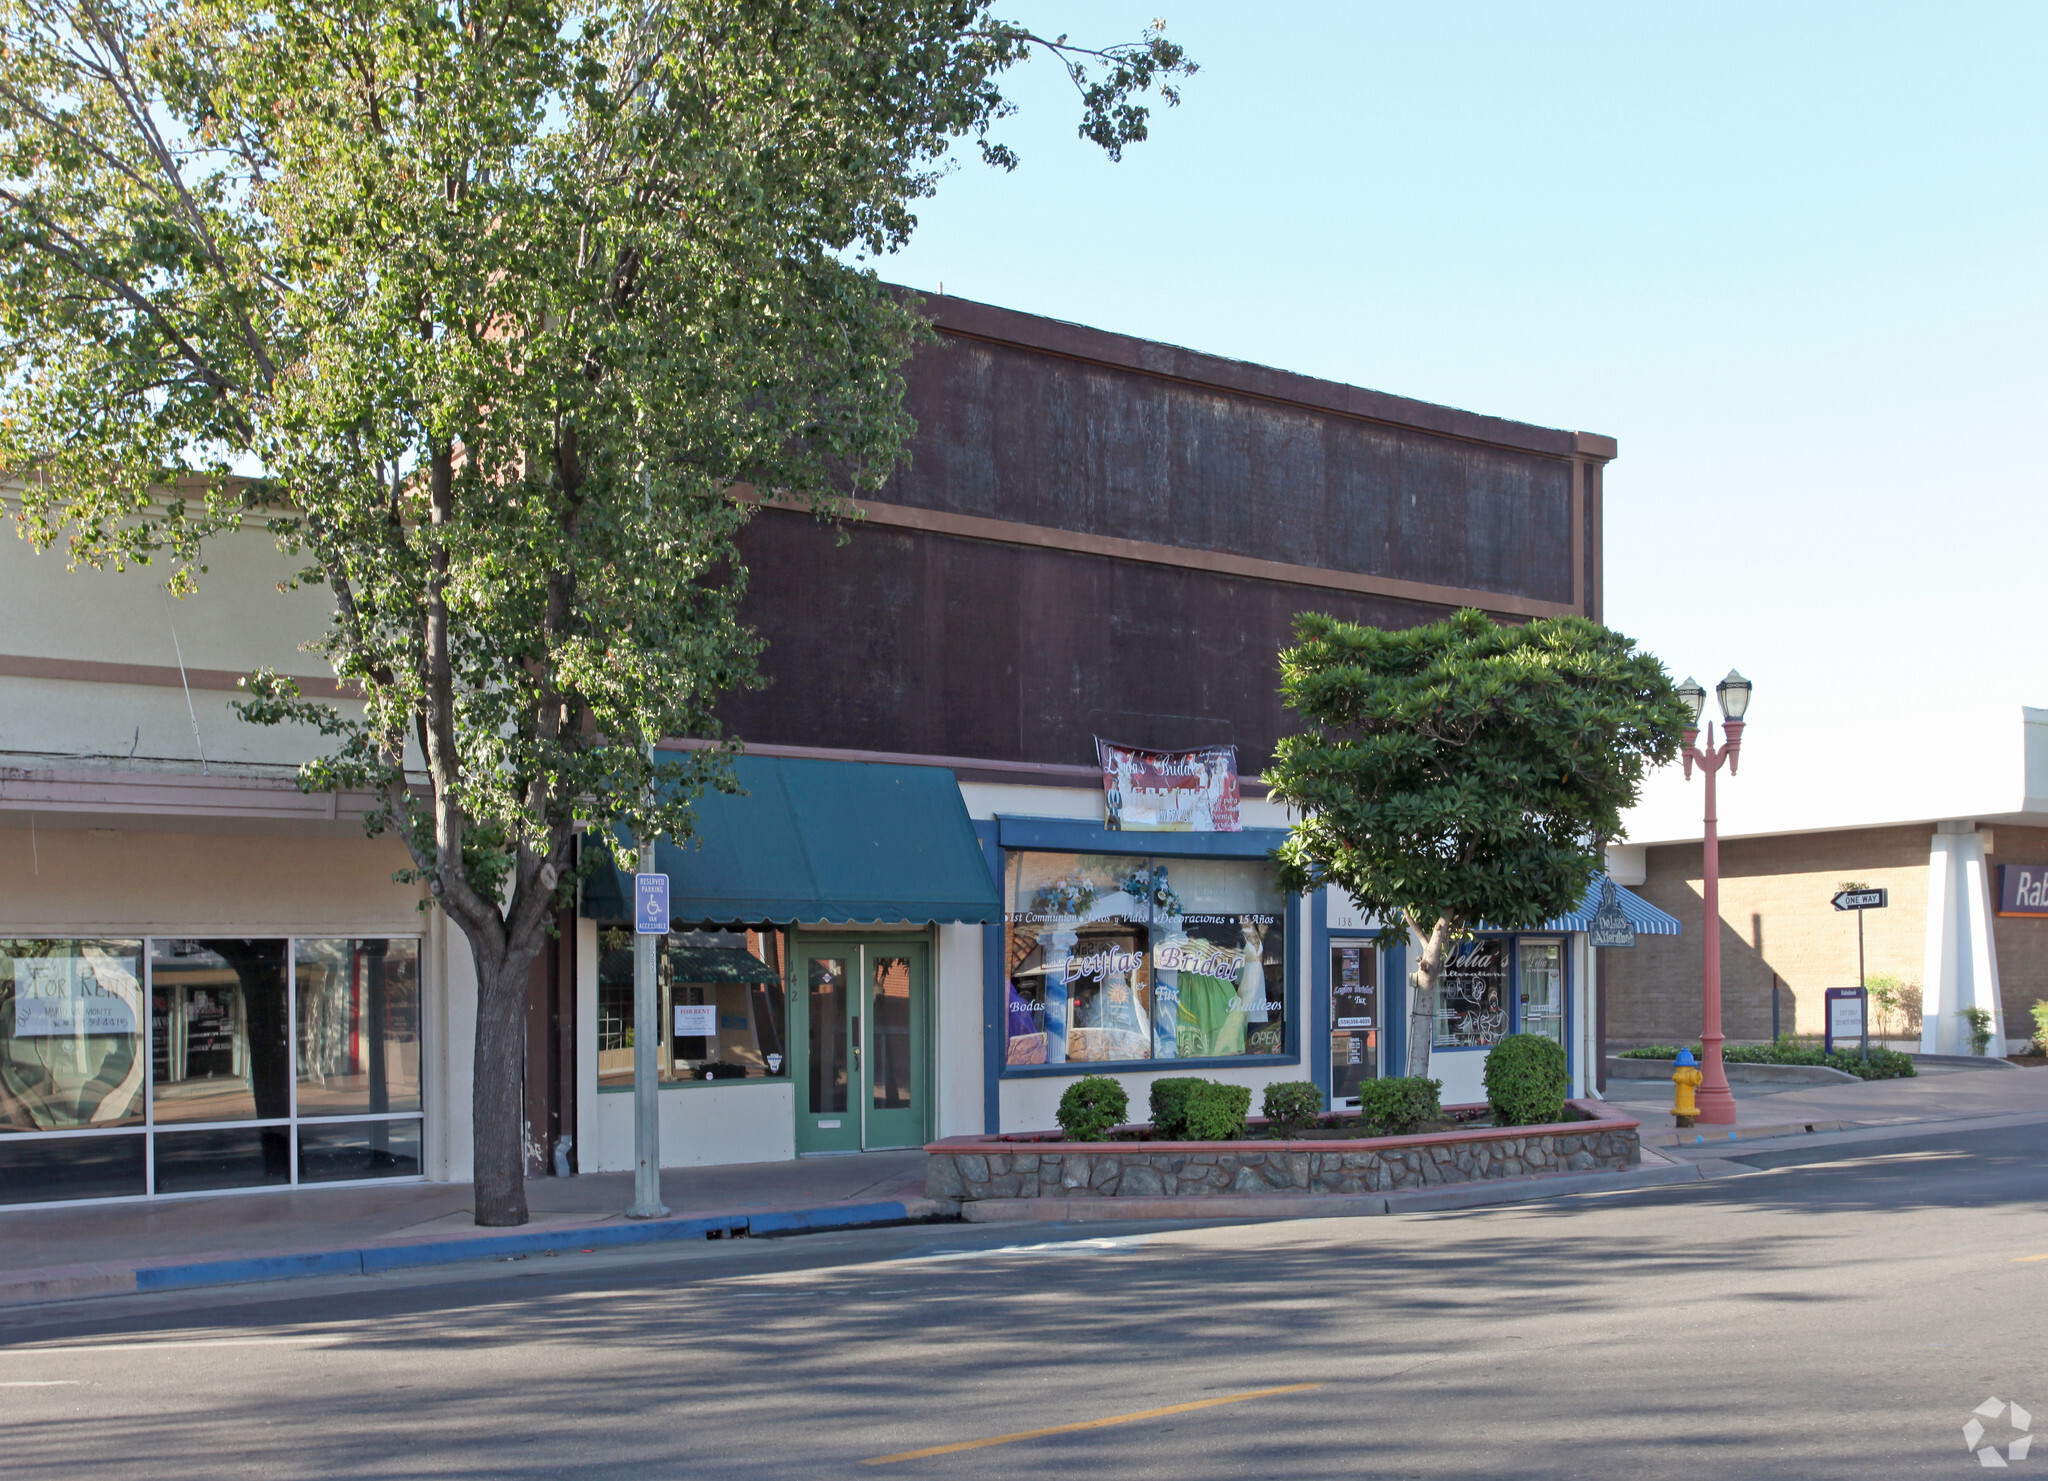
point(166, 1346)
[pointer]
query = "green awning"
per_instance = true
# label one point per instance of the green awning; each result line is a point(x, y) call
point(820, 842)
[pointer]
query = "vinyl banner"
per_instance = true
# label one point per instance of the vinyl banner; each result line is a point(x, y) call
point(1170, 791)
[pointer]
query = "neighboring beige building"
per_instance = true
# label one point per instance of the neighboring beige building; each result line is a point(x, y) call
point(1942, 932)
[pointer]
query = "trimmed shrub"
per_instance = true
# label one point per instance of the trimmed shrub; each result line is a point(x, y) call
point(1291, 1106)
point(2040, 1012)
point(1526, 1081)
point(1090, 1107)
point(1398, 1106)
point(1215, 1113)
point(1170, 1106)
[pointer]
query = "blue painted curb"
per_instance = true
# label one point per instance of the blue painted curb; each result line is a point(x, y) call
point(505, 1246)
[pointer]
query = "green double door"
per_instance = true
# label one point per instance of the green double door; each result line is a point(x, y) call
point(861, 1036)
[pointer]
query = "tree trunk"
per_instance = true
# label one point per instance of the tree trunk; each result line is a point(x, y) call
point(1429, 966)
point(498, 1096)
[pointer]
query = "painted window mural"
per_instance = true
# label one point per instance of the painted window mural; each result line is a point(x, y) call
point(1472, 996)
point(1119, 959)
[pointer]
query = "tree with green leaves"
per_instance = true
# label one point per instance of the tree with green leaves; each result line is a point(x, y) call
point(1463, 772)
point(493, 312)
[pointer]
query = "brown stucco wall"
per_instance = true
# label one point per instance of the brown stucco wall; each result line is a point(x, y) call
point(1776, 918)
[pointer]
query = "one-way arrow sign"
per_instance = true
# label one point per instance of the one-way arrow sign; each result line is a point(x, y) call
point(1862, 900)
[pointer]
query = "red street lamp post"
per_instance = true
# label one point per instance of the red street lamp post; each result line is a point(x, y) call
point(1716, 1100)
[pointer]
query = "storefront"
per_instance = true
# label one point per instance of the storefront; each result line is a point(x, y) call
point(1496, 983)
point(166, 1065)
point(824, 923)
point(1136, 955)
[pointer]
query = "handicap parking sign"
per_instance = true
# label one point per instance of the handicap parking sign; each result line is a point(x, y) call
point(650, 904)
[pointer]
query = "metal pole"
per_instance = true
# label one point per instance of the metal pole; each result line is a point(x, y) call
point(1775, 1033)
point(1863, 983)
point(647, 1027)
point(1716, 1100)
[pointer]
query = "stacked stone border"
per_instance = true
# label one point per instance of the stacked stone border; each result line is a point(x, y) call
point(1043, 1165)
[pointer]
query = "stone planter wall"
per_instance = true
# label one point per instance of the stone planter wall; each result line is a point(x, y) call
point(1042, 1165)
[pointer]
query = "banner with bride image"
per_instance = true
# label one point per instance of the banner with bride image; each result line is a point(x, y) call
point(1169, 791)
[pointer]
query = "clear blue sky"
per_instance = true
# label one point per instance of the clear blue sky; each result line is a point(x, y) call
point(1790, 256)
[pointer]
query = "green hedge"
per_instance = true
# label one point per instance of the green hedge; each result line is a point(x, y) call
point(1527, 1081)
point(1091, 1106)
point(1170, 1106)
point(1399, 1106)
point(1884, 1064)
point(1291, 1106)
point(1215, 1113)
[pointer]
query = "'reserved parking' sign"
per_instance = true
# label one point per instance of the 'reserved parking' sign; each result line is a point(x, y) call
point(650, 904)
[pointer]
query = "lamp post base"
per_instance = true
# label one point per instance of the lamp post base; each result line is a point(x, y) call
point(1717, 1105)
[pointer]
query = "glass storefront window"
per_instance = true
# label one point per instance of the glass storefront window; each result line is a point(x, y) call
point(70, 1035)
point(1117, 959)
point(358, 1026)
point(722, 1006)
point(230, 1085)
point(1472, 996)
point(219, 1033)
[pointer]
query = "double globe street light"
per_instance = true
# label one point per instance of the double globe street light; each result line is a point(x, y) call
point(1716, 1101)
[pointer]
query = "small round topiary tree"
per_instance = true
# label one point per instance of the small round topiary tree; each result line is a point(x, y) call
point(1527, 1081)
point(1292, 1106)
point(1091, 1106)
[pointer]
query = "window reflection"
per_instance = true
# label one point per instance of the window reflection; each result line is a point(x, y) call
point(70, 1020)
point(723, 1012)
point(219, 1033)
point(358, 1028)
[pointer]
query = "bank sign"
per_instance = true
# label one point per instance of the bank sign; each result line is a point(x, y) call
point(2023, 889)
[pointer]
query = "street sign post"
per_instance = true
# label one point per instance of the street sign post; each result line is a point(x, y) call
point(1858, 901)
point(650, 923)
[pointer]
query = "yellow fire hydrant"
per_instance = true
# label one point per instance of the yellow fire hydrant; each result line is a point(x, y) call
point(1685, 1079)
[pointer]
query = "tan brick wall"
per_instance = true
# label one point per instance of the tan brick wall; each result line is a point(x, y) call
point(2022, 944)
point(1776, 918)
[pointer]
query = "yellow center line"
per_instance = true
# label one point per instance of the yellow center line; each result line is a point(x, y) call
point(2026, 1259)
point(1087, 1424)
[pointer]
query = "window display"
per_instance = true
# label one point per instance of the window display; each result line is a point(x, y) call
point(1117, 959)
point(721, 1004)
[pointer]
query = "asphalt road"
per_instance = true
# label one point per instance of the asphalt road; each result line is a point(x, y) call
point(1838, 1311)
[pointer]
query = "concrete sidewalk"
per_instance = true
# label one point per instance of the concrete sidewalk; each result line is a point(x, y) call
point(1936, 1095)
point(51, 1254)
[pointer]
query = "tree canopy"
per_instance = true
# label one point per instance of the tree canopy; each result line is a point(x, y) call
point(486, 309)
point(1464, 771)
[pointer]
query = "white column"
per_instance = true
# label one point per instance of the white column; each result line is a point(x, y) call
point(1962, 956)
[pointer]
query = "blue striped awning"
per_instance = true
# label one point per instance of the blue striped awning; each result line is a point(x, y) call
point(1645, 917)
